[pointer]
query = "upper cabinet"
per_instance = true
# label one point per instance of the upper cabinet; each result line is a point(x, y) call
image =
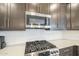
point(75, 16)
point(44, 8)
point(68, 15)
point(62, 19)
point(64, 16)
point(38, 7)
point(17, 16)
point(58, 13)
point(54, 12)
point(3, 16)
point(12, 16)
point(32, 7)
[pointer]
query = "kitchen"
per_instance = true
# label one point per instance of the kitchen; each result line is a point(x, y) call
point(56, 23)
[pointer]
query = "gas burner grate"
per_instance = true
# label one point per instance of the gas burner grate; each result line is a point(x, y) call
point(34, 46)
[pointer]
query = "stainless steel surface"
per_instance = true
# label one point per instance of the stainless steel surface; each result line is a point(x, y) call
point(40, 48)
point(37, 20)
point(52, 52)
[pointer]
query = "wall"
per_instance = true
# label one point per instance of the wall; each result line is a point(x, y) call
point(73, 35)
point(15, 37)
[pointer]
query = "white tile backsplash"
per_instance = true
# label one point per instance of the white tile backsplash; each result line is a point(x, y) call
point(15, 37)
point(71, 35)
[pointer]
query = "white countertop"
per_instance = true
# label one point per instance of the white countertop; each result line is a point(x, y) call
point(64, 43)
point(15, 50)
point(19, 49)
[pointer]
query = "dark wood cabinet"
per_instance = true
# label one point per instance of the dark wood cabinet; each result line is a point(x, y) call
point(17, 16)
point(12, 16)
point(38, 7)
point(32, 7)
point(64, 16)
point(44, 8)
point(62, 19)
point(68, 51)
point(3, 16)
point(75, 50)
point(75, 16)
point(59, 19)
point(54, 16)
point(68, 15)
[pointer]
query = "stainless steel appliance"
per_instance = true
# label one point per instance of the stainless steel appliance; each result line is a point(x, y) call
point(2, 42)
point(37, 20)
point(41, 48)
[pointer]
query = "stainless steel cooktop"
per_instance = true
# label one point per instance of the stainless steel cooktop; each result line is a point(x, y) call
point(35, 46)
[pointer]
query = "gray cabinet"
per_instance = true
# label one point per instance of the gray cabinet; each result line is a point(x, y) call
point(68, 51)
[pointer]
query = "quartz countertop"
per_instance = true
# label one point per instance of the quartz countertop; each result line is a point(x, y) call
point(64, 43)
point(14, 50)
point(19, 49)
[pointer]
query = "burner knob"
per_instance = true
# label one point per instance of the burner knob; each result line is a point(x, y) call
point(52, 52)
point(41, 48)
point(56, 51)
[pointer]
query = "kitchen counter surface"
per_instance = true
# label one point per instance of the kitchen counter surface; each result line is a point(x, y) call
point(64, 43)
point(19, 49)
point(14, 50)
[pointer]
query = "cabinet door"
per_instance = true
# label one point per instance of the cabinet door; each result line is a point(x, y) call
point(33, 7)
point(27, 7)
point(75, 16)
point(59, 18)
point(68, 15)
point(62, 19)
point(78, 50)
point(17, 16)
point(75, 50)
point(3, 16)
point(54, 16)
point(66, 51)
point(44, 8)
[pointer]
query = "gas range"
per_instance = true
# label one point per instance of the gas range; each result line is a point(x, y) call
point(40, 48)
